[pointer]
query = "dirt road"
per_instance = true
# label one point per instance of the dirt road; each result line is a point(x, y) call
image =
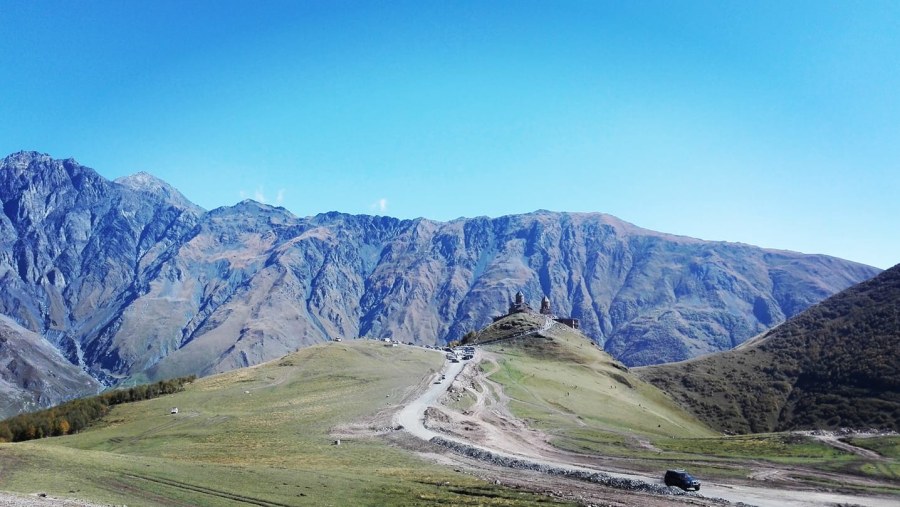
point(412, 418)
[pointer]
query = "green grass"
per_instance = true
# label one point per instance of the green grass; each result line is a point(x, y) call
point(887, 446)
point(509, 326)
point(565, 386)
point(271, 446)
point(465, 402)
point(787, 449)
point(587, 402)
point(780, 447)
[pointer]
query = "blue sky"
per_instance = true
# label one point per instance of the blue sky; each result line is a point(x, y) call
point(770, 123)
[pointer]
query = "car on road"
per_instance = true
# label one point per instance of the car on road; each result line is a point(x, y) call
point(681, 479)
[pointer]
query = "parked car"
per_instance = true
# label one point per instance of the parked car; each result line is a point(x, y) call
point(681, 479)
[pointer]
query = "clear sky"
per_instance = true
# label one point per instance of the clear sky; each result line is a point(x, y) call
point(770, 123)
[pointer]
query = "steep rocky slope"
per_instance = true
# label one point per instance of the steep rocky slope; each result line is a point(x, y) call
point(835, 365)
point(33, 374)
point(129, 279)
point(75, 249)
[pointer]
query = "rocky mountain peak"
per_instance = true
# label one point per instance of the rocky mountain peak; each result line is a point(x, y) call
point(23, 159)
point(147, 183)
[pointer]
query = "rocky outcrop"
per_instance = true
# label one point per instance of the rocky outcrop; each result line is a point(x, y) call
point(129, 278)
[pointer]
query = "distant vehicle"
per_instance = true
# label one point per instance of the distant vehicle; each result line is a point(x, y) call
point(454, 359)
point(467, 357)
point(681, 479)
point(448, 349)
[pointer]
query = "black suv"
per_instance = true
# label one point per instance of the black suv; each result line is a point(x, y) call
point(681, 479)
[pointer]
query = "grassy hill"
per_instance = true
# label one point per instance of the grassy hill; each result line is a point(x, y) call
point(260, 435)
point(835, 365)
point(562, 383)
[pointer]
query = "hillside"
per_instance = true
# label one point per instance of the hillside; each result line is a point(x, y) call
point(835, 365)
point(578, 394)
point(548, 392)
point(260, 436)
point(131, 282)
point(34, 374)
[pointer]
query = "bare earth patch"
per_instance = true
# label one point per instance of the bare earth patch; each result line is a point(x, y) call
point(36, 500)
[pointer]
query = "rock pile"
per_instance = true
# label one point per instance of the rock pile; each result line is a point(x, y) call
point(595, 477)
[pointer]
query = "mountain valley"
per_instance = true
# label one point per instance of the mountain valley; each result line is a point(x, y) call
point(132, 282)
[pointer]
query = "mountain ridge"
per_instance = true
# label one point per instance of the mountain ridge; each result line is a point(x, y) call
point(836, 364)
point(132, 284)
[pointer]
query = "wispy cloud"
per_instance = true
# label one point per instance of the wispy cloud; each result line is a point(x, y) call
point(379, 206)
point(259, 195)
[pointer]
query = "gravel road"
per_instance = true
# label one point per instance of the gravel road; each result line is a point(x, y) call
point(412, 418)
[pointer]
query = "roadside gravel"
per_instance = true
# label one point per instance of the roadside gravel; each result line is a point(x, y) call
point(16, 500)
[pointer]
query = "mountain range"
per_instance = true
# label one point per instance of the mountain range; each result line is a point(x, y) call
point(130, 281)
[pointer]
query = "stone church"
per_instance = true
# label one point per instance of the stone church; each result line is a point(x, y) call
point(518, 305)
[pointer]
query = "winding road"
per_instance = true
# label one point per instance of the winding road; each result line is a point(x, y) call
point(412, 418)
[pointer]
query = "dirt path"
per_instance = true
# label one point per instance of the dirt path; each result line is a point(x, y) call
point(488, 421)
point(488, 425)
point(830, 438)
